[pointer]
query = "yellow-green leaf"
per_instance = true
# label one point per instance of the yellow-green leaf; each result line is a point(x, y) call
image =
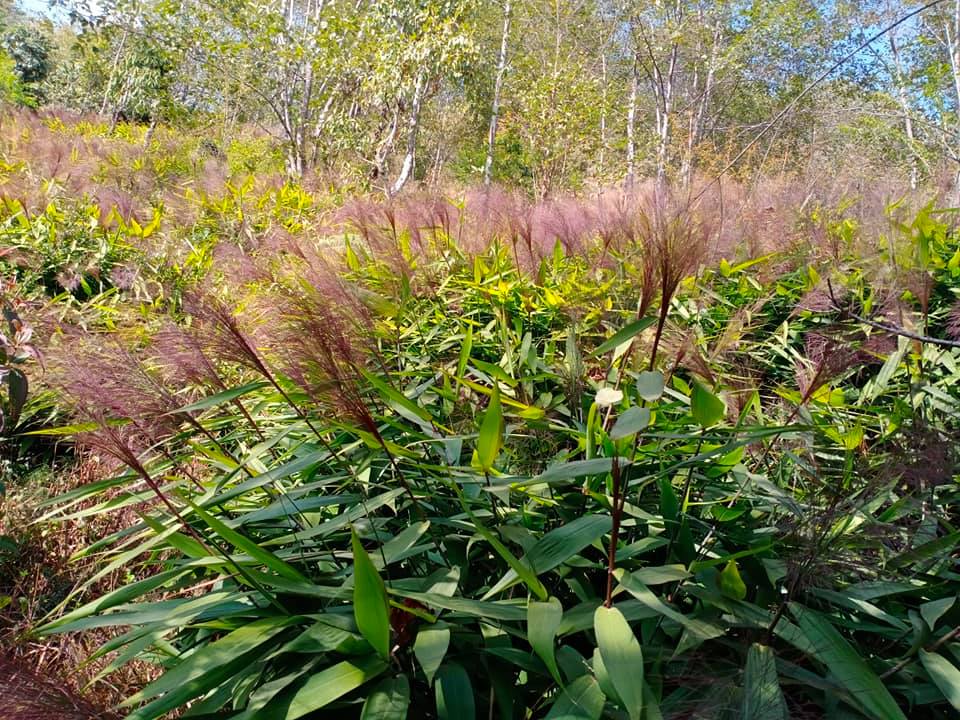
point(731, 584)
point(490, 439)
point(707, 409)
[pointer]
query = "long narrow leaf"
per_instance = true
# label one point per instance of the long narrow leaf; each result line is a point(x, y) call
point(846, 664)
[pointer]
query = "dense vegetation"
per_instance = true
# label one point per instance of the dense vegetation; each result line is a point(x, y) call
point(295, 425)
point(546, 95)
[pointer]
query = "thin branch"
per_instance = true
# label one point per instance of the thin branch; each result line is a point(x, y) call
point(893, 329)
point(933, 648)
point(886, 327)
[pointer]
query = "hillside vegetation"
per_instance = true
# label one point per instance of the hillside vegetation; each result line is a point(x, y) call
point(620, 432)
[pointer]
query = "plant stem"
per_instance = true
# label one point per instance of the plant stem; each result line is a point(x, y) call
point(618, 496)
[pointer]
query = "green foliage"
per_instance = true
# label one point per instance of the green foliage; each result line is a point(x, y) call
point(505, 507)
point(29, 48)
point(11, 87)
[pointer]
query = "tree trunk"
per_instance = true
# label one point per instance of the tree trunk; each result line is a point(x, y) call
point(698, 115)
point(386, 145)
point(905, 108)
point(663, 90)
point(413, 129)
point(952, 27)
point(603, 109)
point(497, 87)
point(113, 74)
point(632, 125)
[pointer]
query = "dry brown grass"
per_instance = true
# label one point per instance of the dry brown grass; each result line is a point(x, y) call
point(51, 677)
point(26, 694)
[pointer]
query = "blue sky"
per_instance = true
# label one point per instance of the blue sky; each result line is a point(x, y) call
point(41, 7)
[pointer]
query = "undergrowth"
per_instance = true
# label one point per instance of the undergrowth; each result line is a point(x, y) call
point(622, 456)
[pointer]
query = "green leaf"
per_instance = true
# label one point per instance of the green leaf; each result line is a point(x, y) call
point(509, 611)
point(17, 385)
point(353, 262)
point(454, 694)
point(651, 703)
point(944, 675)
point(557, 547)
point(669, 504)
point(206, 668)
point(660, 574)
point(731, 584)
point(650, 384)
point(520, 568)
point(465, 348)
point(403, 405)
point(490, 439)
point(630, 422)
point(935, 609)
point(123, 594)
point(580, 700)
point(323, 688)
point(65, 430)
point(626, 333)
point(543, 619)
point(339, 522)
point(430, 648)
point(762, 697)
point(328, 634)
point(927, 550)
point(575, 469)
point(622, 657)
point(389, 700)
point(699, 629)
point(248, 546)
point(165, 613)
point(562, 543)
point(847, 666)
point(221, 397)
point(494, 371)
point(399, 547)
point(370, 606)
point(707, 409)
point(580, 617)
point(603, 678)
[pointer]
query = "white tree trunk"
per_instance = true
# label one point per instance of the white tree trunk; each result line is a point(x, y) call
point(603, 108)
point(497, 88)
point(905, 108)
point(386, 146)
point(663, 90)
point(413, 129)
point(632, 125)
point(952, 28)
point(698, 115)
point(113, 73)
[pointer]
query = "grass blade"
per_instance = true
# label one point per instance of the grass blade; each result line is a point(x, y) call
point(370, 606)
point(454, 694)
point(762, 697)
point(543, 620)
point(945, 676)
point(622, 657)
point(847, 666)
